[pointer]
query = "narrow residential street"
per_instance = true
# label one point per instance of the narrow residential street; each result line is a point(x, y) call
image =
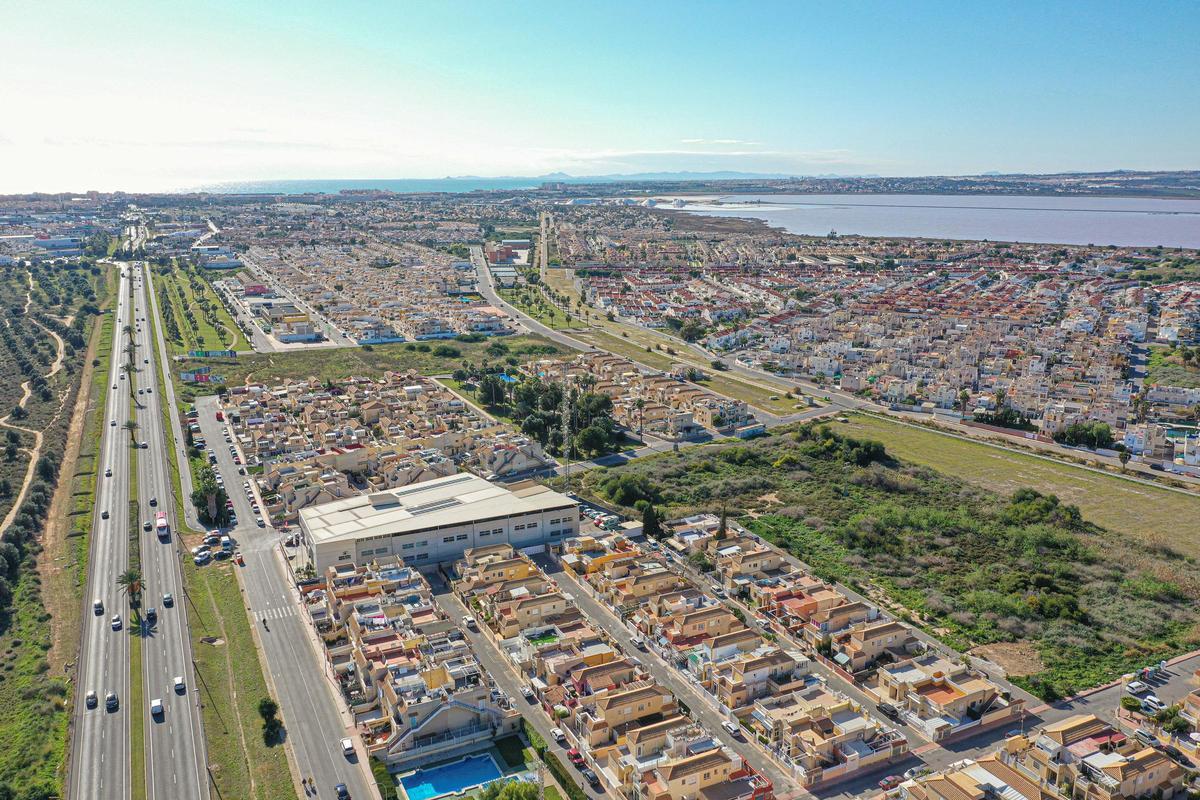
point(507, 678)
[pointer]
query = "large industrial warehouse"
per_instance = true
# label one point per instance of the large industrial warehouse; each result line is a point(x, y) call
point(435, 521)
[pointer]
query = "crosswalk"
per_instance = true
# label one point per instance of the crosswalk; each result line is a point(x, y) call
point(277, 613)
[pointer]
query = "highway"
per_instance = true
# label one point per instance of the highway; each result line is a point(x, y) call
point(175, 761)
point(312, 716)
point(100, 739)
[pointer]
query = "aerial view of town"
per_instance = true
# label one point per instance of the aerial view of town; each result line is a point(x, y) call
point(711, 451)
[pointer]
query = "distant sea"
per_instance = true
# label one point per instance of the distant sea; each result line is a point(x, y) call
point(402, 185)
point(1125, 222)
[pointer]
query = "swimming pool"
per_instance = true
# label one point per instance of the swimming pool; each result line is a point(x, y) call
point(467, 773)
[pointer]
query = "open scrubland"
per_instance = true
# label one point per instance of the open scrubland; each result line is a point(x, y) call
point(1082, 603)
point(1139, 510)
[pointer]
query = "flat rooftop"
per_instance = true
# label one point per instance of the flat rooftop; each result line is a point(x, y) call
point(453, 500)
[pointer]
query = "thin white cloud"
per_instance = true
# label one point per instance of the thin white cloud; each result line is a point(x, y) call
point(719, 141)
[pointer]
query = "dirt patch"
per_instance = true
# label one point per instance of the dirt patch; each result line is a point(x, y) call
point(1015, 658)
point(59, 571)
point(770, 498)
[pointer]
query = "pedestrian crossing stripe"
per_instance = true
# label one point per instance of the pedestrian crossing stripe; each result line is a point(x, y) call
point(278, 613)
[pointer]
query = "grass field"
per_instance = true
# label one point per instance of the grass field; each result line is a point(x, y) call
point(534, 303)
point(224, 335)
point(231, 683)
point(1120, 505)
point(429, 358)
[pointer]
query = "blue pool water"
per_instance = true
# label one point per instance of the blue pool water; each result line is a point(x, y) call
point(426, 784)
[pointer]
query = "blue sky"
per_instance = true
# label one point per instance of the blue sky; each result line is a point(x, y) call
point(156, 95)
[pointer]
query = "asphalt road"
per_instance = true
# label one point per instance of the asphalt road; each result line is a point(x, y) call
point(100, 739)
point(314, 723)
point(175, 761)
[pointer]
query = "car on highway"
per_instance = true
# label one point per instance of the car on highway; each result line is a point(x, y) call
point(111, 702)
point(341, 792)
point(112, 423)
point(168, 600)
point(108, 472)
point(90, 699)
point(98, 606)
point(116, 622)
point(156, 707)
point(141, 391)
point(153, 501)
point(147, 525)
point(151, 614)
point(259, 522)
point(104, 515)
point(180, 686)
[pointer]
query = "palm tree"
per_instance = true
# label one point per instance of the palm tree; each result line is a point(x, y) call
point(130, 582)
point(1123, 456)
point(131, 426)
point(640, 405)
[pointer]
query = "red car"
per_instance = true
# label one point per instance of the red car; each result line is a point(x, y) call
point(890, 782)
point(574, 756)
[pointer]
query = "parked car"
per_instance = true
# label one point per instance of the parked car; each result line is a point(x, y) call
point(1145, 736)
point(889, 710)
point(527, 693)
point(347, 747)
point(557, 735)
point(1137, 687)
point(732, 729)
point(1152, 702)
point(590, 776)
point(890, 782)
point(469, 621)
